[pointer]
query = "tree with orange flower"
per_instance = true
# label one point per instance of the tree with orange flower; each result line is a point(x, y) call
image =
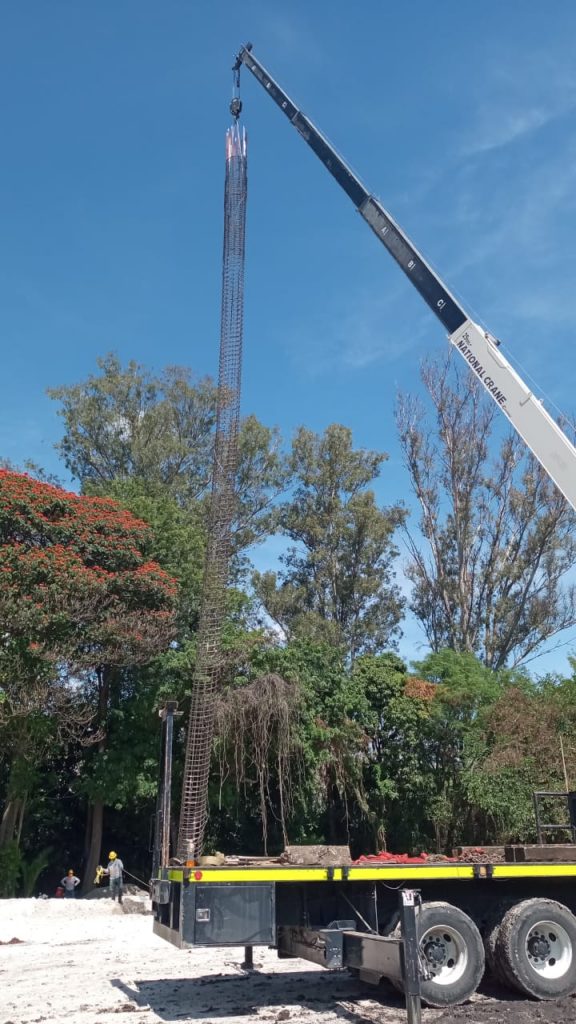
point(78, 594)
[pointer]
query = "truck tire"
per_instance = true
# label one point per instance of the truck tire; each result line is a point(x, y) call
point(536, 946)
point(490, 933)
point(452, 952)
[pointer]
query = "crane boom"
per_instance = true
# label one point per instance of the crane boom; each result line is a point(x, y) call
point(546, 440)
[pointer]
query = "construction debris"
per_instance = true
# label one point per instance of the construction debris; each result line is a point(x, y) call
point(322, 856)
point(479, 854)
point(137, 903)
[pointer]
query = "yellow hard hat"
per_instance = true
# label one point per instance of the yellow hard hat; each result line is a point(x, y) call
point(112, 855)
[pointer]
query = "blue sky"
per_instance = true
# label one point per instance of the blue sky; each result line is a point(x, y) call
point(460, 116)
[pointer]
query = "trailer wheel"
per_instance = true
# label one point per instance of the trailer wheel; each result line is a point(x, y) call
point(537, 947)
point(452, 953)
point(491, 931)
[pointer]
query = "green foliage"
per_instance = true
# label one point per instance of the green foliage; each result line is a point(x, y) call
point(175, 537)
point(127, 422)
point(502, 796)
point(337, 582)
point(263, 473)
point(32, 869)
point(464, 684)
point(396, 781)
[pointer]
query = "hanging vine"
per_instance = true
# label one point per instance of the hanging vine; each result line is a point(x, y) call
point(256, 725)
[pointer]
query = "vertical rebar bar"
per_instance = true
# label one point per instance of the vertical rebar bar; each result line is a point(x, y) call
point(193, 814)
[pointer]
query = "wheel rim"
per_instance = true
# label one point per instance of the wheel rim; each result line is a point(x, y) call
point(549, 949)
point(445, 954)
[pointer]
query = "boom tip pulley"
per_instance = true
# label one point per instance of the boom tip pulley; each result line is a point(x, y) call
point(238, 61)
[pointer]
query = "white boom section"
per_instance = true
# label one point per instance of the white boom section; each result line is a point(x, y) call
point(545, 439)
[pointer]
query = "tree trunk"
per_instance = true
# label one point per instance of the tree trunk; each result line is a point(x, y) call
point(13, 813)
point(8, 823)
point(335, 831)
point(87, 835)
point(95, 823)
point(95, 845)
point(20, 818)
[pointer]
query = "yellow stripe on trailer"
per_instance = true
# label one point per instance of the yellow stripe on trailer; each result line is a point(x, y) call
point(411, 873)
point(368, 873)
point(255, 874)
point(534, 871)
point(261, 875)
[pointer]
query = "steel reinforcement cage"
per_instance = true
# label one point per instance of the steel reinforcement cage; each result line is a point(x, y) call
point(193, 814)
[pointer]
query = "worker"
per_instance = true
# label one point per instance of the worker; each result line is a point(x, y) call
point(70, 883)
point(115, 872)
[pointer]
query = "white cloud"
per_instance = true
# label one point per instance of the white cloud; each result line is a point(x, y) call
point(519, 98)
point(361, 330)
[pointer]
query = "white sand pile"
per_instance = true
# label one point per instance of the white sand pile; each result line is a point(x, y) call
point(55, 920)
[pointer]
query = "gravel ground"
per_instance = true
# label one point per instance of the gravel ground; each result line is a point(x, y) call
point(86, 961)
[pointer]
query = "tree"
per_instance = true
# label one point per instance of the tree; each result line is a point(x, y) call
point(524, 742)
point(466, 697)
point(77, 594)
point(75, 584)
point(147, 441)
point(337, 582)
point(498, 537)
point(174, 538)
point(396, 780)
point(127, 423)
point(329, 739)
point(122, 772)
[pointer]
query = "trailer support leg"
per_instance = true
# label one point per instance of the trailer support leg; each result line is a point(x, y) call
point(248, 964)
point(409, 904)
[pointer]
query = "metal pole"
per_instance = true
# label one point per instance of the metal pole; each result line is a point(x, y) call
point(167, 713)
point(409, 904)
point(535, 798)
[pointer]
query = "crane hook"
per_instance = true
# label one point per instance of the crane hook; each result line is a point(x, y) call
point(236, 102)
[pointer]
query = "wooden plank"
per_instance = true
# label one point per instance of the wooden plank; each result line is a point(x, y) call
point(541, 852)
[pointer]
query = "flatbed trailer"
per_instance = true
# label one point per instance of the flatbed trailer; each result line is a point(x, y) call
point(516, 919)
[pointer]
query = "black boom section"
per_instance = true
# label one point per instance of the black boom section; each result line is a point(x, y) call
point(426, 282)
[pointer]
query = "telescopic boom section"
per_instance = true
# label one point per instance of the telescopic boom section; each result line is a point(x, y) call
point(546, 440)
point(399, 246)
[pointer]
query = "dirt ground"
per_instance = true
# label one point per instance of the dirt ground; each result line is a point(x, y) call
point(86, 961)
